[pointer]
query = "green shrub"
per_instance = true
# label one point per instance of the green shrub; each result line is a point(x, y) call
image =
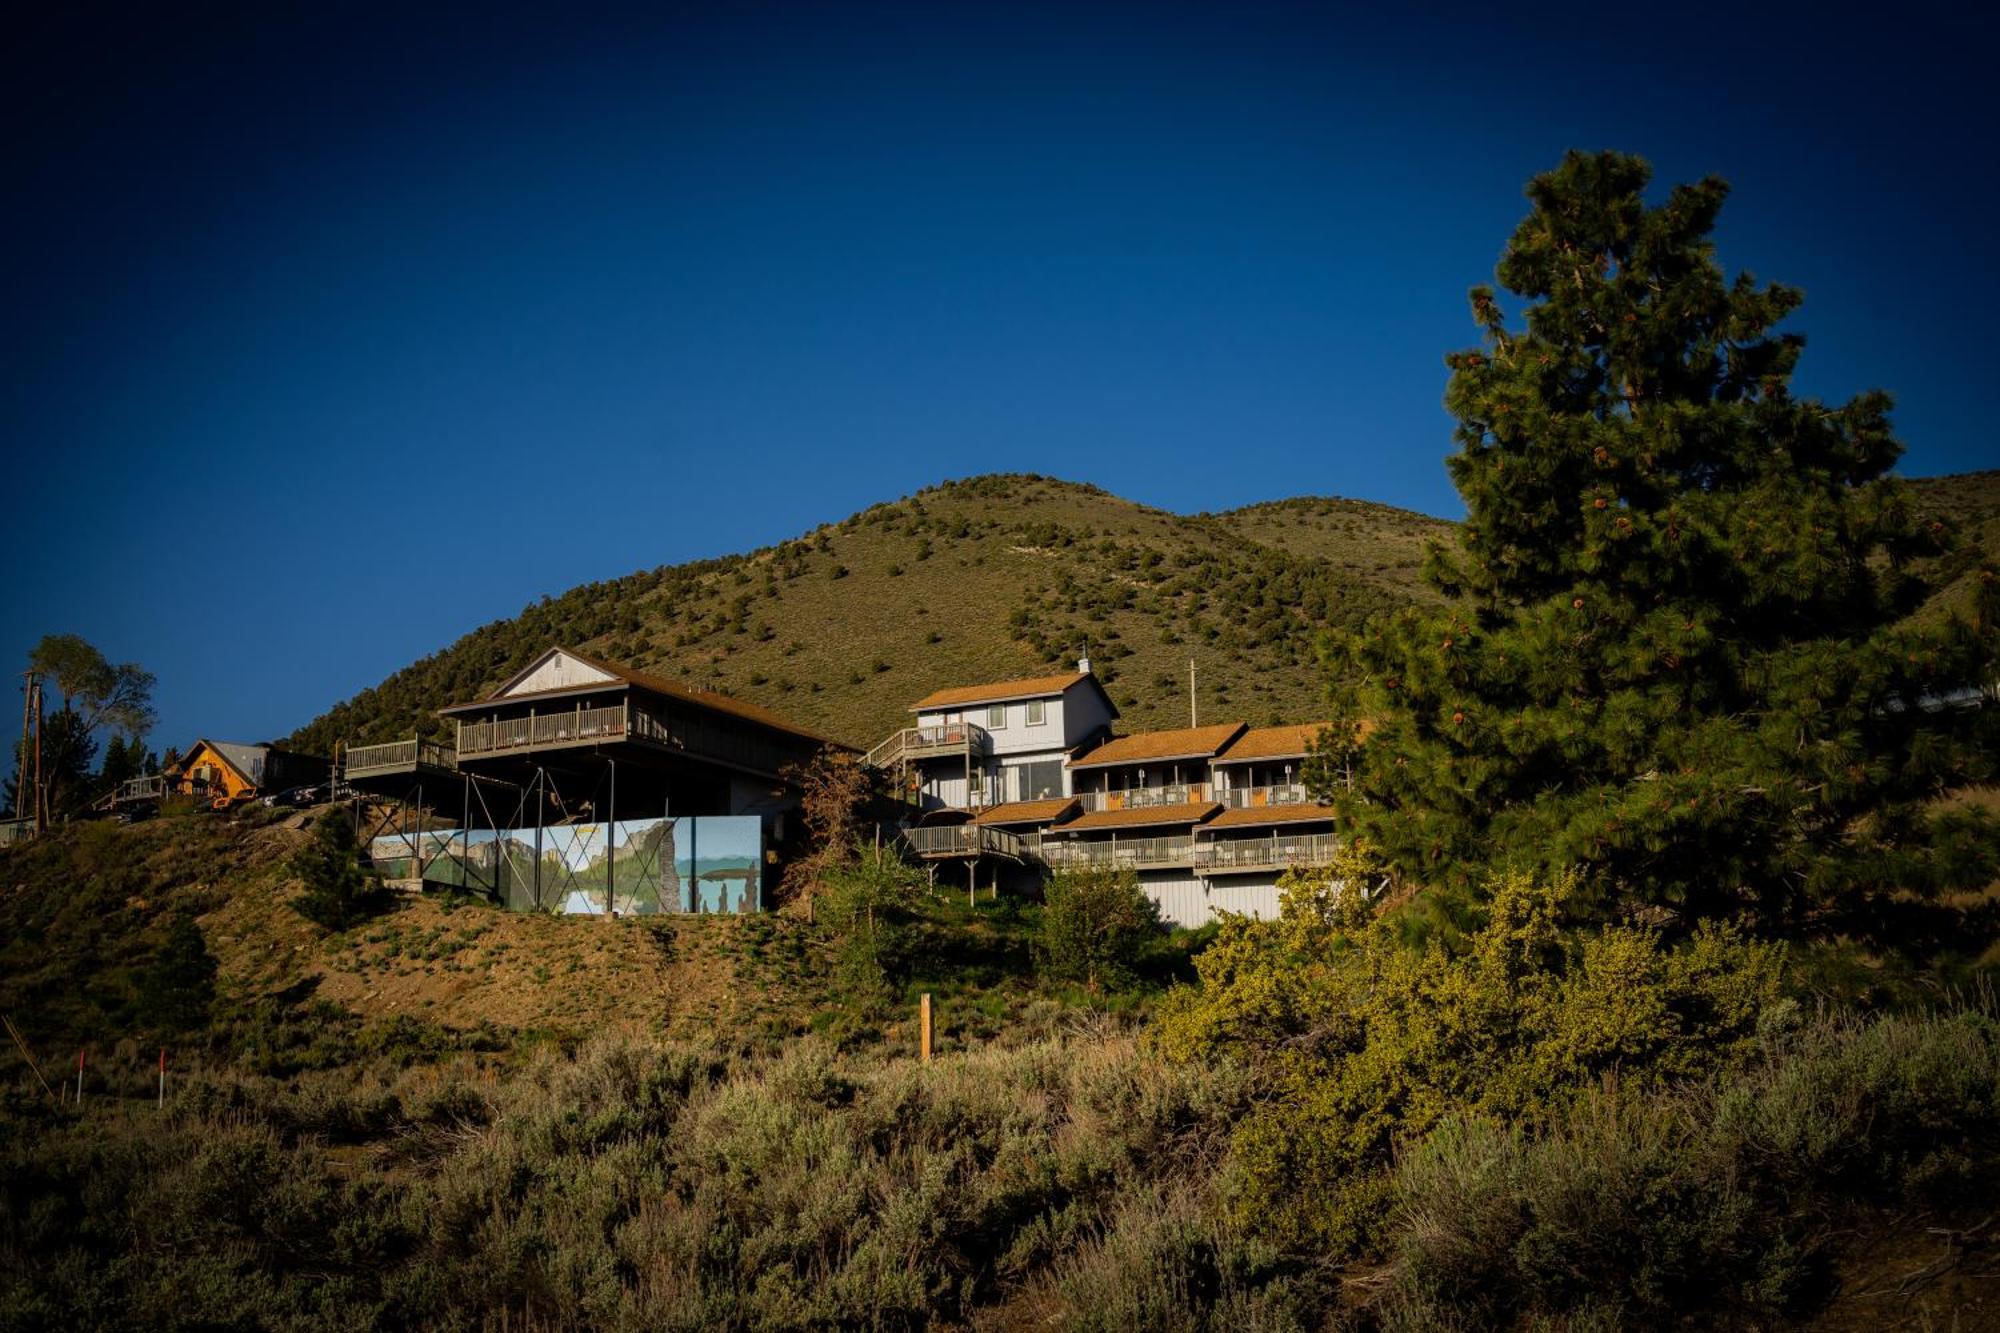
point(1713, 1195)
point(179, 984)
point(875, 906)
point(1363, 1041)
point(337, 892)
point(1095, 925)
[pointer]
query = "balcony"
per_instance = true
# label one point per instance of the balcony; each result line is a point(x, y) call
point(1275, 851)
point(951, 740)
point(965, 840)
point(547, 731)
point(1133, 853)
point(1258, 798)
point(364, 761)
point(1144, 798)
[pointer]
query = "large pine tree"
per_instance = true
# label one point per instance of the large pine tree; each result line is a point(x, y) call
point(1676, 651)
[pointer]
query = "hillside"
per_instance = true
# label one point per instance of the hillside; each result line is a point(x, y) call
point(976, 580)
point(1000, 576)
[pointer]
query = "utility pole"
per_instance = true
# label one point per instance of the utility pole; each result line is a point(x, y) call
point(1193, 717)
point(31, 736)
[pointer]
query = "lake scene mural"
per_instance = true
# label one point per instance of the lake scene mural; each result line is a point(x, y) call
point(700, 863)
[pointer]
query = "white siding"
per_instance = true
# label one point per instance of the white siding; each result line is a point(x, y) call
point(559, 671)
point(1187, 901)
point(1179, 896)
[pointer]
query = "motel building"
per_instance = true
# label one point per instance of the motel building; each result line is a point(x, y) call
point(1017, 778)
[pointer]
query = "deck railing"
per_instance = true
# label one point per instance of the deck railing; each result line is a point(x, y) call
point(964, 840)
point(939, 740)
point(391, 755)
point(1145, 798)
point(1256, 798)
point(149, 788)
point(1275, 849)
point(1171, 850)
point(527, 733)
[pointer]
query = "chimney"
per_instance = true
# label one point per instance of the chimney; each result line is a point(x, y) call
point(1083, 666)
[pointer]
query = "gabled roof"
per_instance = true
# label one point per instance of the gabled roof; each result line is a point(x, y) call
point(1007, 691)
point(247, 761)
point(614, 676)
point(1147, 817)
point(1028, 812)
point(1267, 815)
point(1155, 746)
point(1288, 742)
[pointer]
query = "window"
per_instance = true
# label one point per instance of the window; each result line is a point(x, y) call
point(1040, 780)
point(996, 718)
point(1037, 711)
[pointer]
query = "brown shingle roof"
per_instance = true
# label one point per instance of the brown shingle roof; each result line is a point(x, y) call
point(1289, 742)
point(1147, 817)
point(1147, 746)
point(1027, 812)
point(1033, 687)
point(1264, 816)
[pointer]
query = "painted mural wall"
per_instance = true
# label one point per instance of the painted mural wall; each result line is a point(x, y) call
point(704, 863)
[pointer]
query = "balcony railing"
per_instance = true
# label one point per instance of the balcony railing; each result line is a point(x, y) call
point(1276, 850)
point(1144, 798)
point(548, 729)
point(394, 756)
point(1257, 798)
point(1173, 850)
point(150, 788)
point(955, 740)
point(964, 840)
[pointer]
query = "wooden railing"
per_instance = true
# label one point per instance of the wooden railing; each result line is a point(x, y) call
point(952, 739)
point(1145, 798)
point(1257, 798)
point(964, 840)
point(1275, 849)
point(392, 755)
point(547, 729)
point(1172, 850)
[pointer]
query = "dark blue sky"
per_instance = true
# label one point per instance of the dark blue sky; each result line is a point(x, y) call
point(331, 337)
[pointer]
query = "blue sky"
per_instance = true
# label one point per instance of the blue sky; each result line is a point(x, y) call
point(309, 315)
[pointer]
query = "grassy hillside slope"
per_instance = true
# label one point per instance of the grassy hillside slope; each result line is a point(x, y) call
point(999, 576)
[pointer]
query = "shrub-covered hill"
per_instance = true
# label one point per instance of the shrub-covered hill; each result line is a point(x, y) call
point(999, 576)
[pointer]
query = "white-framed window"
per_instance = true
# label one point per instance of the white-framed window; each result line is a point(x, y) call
point(996, 717)
point(1037, 712)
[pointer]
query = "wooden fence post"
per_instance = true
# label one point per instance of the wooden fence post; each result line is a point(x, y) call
point(924, 1030)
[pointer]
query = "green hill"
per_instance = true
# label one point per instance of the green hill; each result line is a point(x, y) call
point(998, 576)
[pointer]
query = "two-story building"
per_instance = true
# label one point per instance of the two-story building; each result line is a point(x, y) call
point(977, 746)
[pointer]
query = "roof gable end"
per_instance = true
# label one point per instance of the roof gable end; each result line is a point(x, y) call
point(556, 669)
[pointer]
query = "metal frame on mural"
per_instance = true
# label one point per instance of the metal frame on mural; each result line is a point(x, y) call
point(404, 820)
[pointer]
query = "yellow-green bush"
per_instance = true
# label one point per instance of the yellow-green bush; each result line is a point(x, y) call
point(1360, 1041)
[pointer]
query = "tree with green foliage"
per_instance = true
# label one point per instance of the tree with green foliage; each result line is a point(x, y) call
point(94, 695)
point(1096, 924)
point(179, 985)
point(875, 904)
point(1675, 651)
point(336, 889)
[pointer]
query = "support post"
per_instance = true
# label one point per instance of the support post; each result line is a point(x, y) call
point(610, 846)
point(972, 882)
point(924, 1029)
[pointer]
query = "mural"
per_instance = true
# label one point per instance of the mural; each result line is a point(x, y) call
point(706, 863)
